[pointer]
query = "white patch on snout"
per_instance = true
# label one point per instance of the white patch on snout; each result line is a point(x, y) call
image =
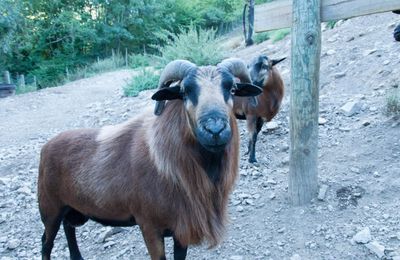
point(211, 98)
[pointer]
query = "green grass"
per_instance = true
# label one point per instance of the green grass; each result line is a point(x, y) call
point(274, 36)
point(146, 79)
point(393, 102)
point(261, 37)
point(280, 34)
point(331, 24)
point(24, 89)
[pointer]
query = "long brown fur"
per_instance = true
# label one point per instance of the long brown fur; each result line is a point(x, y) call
point(149, 168)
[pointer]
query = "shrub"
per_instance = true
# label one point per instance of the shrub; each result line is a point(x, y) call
point(194, 44)
point(393, 102)
point(146, 79)
point(142, 60)
point(107, 64)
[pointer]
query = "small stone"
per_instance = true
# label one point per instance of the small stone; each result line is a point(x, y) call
point(322, 192)
point(376, 248)
point(239, 209)
point(350, 108)
point(25, 190)
point(285, 148)
point(373, 109)
point(109, 244)
point(13, 244)
point(110, 231)
point(236, 257)
point(376, 174)
point(366, 123)
point(243, 196)
point(355, 170)
point(271, 181)
point(235, 202)
point(281, 230)
point(332, 39)
point(351, 38)
point(330, 52)
point(369, 52)
point(249, 202)
point(363, 236)
point(271, 126)
point(386, 62)
point(322, 121)
point(391, 25)
point(4, 181)
point(340, 75)
point(272, 196)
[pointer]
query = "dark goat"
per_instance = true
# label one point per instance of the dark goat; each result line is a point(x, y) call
point(170, 174)
point(260, 109)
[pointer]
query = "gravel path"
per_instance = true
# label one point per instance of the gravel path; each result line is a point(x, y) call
point(357, 217)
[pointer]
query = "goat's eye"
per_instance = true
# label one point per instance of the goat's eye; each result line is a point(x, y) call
point(264, 66)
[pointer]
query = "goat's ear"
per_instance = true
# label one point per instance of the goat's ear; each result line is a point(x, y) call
point(246, 90)
point(274, 62)
point(169, 93)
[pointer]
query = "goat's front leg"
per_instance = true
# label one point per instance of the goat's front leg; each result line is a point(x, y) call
point(179, 250)
point(154, 240)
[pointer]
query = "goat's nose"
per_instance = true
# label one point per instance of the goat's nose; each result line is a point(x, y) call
point(215, 126)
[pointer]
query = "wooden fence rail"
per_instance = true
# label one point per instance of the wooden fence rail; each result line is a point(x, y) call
point(278, 14)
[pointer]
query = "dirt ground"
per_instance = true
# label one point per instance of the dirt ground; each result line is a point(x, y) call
point(359, 160)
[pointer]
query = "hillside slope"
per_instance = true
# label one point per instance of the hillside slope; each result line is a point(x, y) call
point(359, 160)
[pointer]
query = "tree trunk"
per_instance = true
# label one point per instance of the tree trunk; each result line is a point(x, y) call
point(305, 64)
point(249, 39)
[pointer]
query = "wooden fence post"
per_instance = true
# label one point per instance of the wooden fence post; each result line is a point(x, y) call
point(67, 73)
point(305, 64)
point(21, 80)
point(126, 57)
point(7, 78)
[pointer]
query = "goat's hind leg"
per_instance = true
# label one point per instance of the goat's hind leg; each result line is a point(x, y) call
point(73, 219)
point(179, 250)
point(51, 227)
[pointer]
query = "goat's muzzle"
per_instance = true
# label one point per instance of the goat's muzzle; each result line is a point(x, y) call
point(213, 132)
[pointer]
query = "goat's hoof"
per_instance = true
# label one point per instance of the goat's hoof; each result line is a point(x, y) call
point(253, 161)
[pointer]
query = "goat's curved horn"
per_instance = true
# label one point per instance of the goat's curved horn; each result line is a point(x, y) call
point(238, 69)
point(174, 71)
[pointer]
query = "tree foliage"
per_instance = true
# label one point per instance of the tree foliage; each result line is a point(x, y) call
point(46, 38)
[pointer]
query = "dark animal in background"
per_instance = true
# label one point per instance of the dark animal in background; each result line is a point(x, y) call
point(260, 109)
point(170, 174)
point(396, 32)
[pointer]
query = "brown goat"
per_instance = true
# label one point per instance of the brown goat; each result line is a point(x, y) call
point(170, 174)
point(260, 109)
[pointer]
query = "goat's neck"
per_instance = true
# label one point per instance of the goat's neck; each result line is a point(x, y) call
point(211, 163)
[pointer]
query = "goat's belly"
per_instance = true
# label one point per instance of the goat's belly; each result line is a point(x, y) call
point(115, 223)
